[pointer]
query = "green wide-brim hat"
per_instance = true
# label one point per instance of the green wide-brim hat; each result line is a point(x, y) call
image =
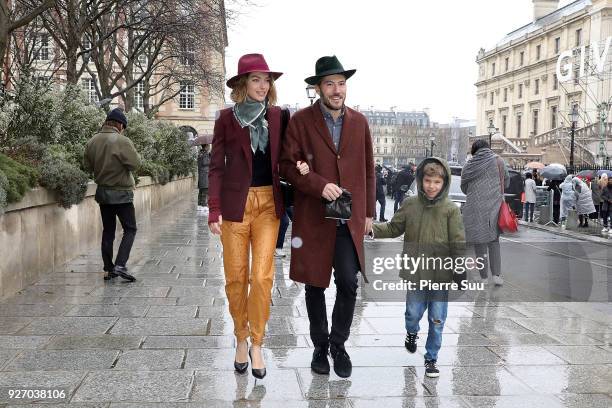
point(328, 66)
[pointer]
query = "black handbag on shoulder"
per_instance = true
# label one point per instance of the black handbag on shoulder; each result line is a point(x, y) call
point(286, 187)
point(340, 208)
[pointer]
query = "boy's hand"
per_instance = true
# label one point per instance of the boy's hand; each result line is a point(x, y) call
point(368, 226)
point(302, 168)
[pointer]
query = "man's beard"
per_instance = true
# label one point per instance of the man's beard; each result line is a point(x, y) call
point(329, 106)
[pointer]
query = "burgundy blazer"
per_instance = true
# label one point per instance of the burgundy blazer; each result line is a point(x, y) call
point(231, 166)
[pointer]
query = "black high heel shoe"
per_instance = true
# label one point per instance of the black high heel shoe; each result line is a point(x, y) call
point(241, 367)
point(258, 373)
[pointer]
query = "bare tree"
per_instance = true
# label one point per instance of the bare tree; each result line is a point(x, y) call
point(12, 18)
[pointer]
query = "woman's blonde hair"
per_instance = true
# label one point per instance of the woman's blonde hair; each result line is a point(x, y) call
point(603, 180)
point(239, 91)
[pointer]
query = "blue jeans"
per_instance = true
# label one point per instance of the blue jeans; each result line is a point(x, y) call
point(416, 303)
point(284, 224)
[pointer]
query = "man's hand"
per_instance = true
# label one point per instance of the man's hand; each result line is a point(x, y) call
point(368, 226)
point(331, 191)
point(302, 168)
point(215, 227)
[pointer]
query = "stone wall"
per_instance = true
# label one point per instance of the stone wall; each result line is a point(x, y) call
point(37, 235)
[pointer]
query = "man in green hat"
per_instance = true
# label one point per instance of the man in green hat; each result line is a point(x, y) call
point(334, 140)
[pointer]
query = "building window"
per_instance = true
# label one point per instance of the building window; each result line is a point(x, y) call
point(578, 37)
point(557, 45)
point(538, 52)
point(518, 124)
point(41, 48)
point(493, 69)
point(520, 91)
point(505, 94)
point(555, 82)
point(89, 87)
point(187, 95)
point(553, 117)
point(507, 63)
point(535, 122)
point(577, 75)
point(386, 140)
point(491, 100)
point(385, 150)
point(537, 87)
point(139, 96)
point(378, 140)
point(504, 123)
point(378, 150)
point(521, 58)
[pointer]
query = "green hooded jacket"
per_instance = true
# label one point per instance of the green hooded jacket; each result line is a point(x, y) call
point(431, 228)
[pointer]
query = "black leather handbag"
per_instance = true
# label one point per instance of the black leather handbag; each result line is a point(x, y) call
point(340, 208)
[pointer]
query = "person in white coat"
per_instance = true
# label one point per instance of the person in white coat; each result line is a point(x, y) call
point(530, 197)
point(584, 201)
point(568, 198)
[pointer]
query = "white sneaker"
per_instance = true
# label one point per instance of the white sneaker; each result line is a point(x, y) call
point(498, 280)
point(278, 253)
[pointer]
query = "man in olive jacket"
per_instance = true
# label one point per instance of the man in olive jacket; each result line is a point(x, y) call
point(113, 157)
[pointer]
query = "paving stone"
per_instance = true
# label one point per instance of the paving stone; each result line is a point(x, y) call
point(140, 360)
point(481, 325)
point(46, 405)
point(69, 325)
point(410, 402)
point(11, 325)
point(365, 382)
point(465, 356)
point(575, 379)
point(172, 311)
point(526, 355)
point(106, 341)
point(553, 312)
point(205, 301)
point(57, 360)
point(582, 354)
point(135, 386)
point(23, 342)
point(62, 290)
point(89, 300)
point(513, 401)
point(148, 301)
point(161, 326)
point(132, 291)
point(493, 312)
point(585, 400)
point(390, 325)
point(519, 339)
point(33, 310)
point(108, 310)
point(6, 356)
point(562, 325)
point(279, 385)
point(188, 342)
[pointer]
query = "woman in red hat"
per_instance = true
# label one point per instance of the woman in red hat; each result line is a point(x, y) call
point(245, 201)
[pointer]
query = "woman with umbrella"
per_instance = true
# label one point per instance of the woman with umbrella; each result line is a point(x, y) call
point(554, 174)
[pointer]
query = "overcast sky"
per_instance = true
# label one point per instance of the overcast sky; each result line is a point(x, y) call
point(409, 54)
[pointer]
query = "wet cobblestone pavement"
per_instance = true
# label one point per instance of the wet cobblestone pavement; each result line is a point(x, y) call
point(166, 341)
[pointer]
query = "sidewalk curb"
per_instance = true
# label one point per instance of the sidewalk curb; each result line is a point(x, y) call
point(569, 234)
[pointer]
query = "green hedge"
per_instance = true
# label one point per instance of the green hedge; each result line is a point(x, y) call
point(15, 179)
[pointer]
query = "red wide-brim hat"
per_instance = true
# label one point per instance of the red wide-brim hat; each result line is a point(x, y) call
point(252, 63)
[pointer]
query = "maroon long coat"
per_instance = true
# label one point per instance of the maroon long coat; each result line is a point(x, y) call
point(231, 166)
point(352, 167)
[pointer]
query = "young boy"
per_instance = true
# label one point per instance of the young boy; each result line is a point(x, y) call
point(432, 228)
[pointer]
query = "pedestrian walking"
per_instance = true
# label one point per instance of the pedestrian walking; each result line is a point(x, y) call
point(390, 181)
point(402, 185)
point(568, 198)
point(606, 201)
point(335, 141)
point(430, 222)
point(380, 193)
point(530, 197)
point(553, 185)
point(113, 158)
point(596, 192)
point(584, 201)
point(203, 166)
point(245, 202)
point(282, 231)
point(481, 180)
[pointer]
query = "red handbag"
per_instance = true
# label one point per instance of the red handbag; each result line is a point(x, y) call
point(506, 221)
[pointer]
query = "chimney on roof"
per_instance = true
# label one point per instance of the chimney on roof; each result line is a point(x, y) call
point(544, 7)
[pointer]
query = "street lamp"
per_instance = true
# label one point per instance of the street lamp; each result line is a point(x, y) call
point(311, 93)
point(491, 129)
point(573, 118)
point(432, 141)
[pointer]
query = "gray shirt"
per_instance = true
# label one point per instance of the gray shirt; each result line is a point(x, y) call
point(334, 126)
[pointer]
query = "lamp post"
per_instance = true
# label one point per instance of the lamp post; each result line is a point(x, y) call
point(573, 118)
point(432, 144)
point(491, 129)
point(311, 93)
